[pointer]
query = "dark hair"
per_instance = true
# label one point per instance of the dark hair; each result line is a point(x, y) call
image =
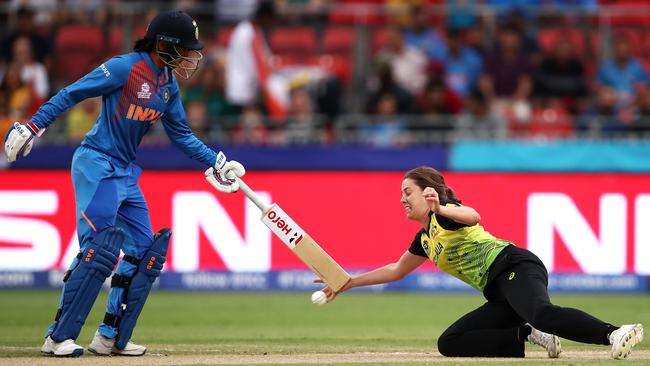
point(144, 45)
point(425, 176)
point(25, 11)
point(265, 8)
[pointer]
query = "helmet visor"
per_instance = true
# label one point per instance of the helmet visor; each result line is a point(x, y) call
point(182, 61)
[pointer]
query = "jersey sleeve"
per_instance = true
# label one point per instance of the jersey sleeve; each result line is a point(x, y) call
point(416, 246)
point(447, 223)
point(105, 79)
point(175, 123)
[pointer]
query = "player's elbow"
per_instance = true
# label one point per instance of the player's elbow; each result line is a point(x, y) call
point(475, 218)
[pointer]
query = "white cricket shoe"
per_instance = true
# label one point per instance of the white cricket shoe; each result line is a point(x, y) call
point(66, 348)
point(103, 346)
point(624, 339)
point(549, 341)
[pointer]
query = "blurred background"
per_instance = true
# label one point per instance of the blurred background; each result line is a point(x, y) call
point(538, 113)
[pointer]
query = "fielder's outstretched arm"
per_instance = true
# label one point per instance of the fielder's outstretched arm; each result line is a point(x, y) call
point(389, 273)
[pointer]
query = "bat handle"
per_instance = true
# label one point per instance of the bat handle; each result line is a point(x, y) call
point(252, 195)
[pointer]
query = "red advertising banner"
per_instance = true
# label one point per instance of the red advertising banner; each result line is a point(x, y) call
point(589, 223)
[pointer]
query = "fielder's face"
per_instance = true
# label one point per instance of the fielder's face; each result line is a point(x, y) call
point(413, 201)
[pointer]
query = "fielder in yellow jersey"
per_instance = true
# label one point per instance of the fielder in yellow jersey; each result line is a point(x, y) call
point(465, 252)
point(513, 280)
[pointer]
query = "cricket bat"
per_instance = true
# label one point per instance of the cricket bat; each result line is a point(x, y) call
point(283, 226)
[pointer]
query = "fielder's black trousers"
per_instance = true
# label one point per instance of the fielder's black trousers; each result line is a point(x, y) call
point(517, 294)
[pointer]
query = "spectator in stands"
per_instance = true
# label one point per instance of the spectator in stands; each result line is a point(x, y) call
point(506, 80)
point(623, 73)
point(437, 104)
point(5, 120)
point(210, 90)
point(249, 59)
point(561, 75)
point(18, 93)
point(605, 116)
point(408, 64)
point(25, 27)
point(32, 73)
point(385, 128)
point(422, 36)
point(251, 130)
point(520, 23)
point(383, 82)
point(462, 64)
point(197, 118)
point(81, 118)
point(475, 39)
point(46, 12)
point(438, 99)
point(478, 120)
point(302, 125)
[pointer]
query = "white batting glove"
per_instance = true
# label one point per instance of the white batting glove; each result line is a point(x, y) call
point(222, 175)
point(20, 139)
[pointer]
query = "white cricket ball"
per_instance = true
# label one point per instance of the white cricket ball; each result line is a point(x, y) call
point(319, 298)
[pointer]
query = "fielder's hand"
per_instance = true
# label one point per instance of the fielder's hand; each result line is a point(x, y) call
point(20, 139)
point(432, 198)
point(331, 294)
point(222, 175)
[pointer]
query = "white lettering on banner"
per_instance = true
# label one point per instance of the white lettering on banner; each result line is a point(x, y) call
point(642, 234)
point(26, 202)
point(194, 211)
point(71, 252)
point(551, 212)
point(38, 240)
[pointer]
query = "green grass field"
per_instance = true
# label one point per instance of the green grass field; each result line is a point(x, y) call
point(225, 324)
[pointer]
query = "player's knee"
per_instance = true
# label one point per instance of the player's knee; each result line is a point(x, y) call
point(447, 345)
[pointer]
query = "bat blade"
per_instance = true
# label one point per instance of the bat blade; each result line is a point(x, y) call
point(305, 247)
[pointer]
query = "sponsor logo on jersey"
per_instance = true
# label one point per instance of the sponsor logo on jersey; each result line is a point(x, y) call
point(105, 70)
point(142, 114)
point(145, 91)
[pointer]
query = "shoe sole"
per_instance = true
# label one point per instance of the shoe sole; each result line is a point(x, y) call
point(629, 341)
point(115, 353)
point(128, 355)
point(97, 353)
point(75, 353)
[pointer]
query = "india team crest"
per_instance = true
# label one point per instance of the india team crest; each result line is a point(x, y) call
point(165, 95)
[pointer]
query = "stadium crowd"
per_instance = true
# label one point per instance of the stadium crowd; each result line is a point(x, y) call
point(373, 69)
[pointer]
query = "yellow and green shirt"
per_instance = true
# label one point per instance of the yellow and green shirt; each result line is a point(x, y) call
point(465, 252)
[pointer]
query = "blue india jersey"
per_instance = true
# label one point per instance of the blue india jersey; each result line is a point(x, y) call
point(135, 95)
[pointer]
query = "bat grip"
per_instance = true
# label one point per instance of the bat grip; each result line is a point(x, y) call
point(252, 195)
